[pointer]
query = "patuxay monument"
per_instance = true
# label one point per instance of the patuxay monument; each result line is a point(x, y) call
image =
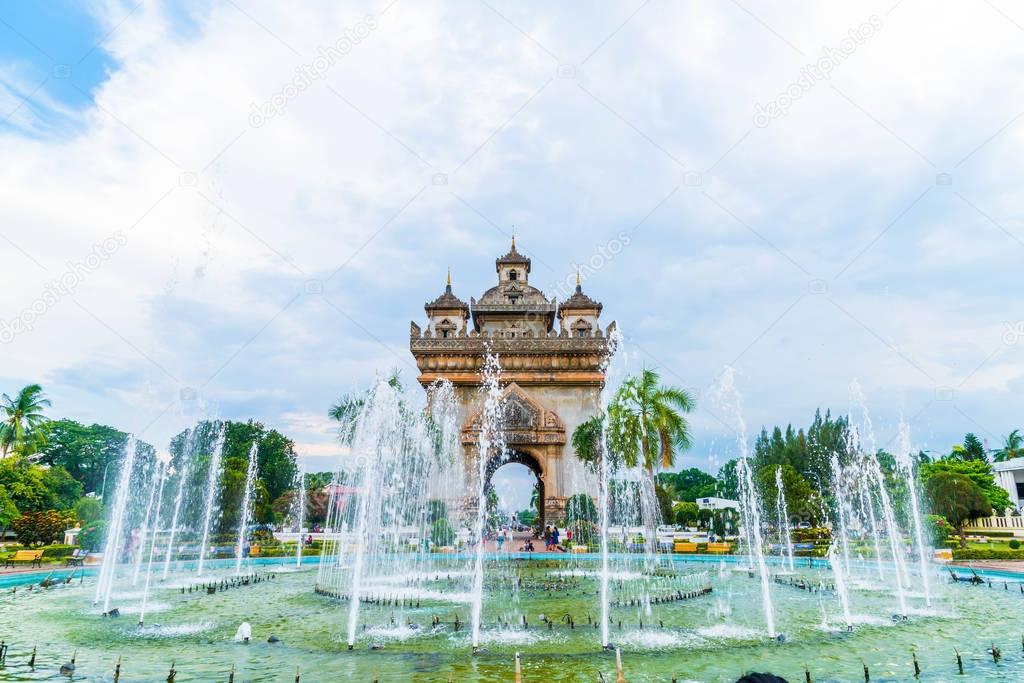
point(551, 356)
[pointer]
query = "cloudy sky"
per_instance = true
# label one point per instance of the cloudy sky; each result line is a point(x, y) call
point(234, 209)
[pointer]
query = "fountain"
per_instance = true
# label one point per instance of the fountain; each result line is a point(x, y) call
point(300, 513)
point(782, 515)
point(156, 473)
point(840, 581)
point(490, 444)
point(186, 461)
point(212, 489)
point(115, 529)
point(905, 459)
point(604, 493)
point(152, 544)
point(245, 514)
point(730, 401)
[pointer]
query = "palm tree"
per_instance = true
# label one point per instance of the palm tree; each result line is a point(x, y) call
point(1012, 448)
point(646, 427)
point(647, 423)
point(23, 419)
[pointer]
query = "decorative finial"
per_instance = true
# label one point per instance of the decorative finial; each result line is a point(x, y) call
point(449, 276)
point(513, 238)
point(578, 281)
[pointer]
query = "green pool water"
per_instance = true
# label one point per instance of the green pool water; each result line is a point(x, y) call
point(713, 637)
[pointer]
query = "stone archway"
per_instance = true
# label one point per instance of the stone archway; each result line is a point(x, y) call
point(516, 456)
point(531, 432)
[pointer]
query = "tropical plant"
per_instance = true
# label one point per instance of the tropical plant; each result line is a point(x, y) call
point(646, 423)
point(957, 498)
point(346, 411)
point(21, 431)
point(1012, 448)
point(586, 441)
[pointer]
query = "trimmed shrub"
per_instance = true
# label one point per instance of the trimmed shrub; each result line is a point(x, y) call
point(987, 554)
point(58, 550)
point(1014, 544)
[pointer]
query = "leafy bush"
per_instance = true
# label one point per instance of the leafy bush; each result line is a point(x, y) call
point(939, 529)
point(58, 550)
point(41, 527)
point(991, 533)
point(91, 536)
point(1014, 544)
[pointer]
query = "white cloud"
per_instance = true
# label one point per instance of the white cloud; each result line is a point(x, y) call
point(207, 284)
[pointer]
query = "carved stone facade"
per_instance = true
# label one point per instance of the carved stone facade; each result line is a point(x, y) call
point(551, 357)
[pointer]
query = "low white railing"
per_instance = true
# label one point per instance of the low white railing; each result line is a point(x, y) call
point(1010, 523)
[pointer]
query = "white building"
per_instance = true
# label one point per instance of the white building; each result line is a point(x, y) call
point(1010, 475)
point(717, 504)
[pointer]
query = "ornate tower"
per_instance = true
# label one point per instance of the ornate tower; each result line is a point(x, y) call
point(552, 375)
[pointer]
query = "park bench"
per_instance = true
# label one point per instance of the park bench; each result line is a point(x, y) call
point(33, 557)
point(683, 547)
point(76, 558)
point(719, 548)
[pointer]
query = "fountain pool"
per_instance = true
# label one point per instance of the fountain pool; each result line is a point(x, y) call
point(710, 636)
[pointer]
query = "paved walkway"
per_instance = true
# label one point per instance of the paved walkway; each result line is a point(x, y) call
point(1015, 566)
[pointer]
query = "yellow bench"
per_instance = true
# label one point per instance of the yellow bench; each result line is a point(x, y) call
point(33, 557)
point(579, 549)
point(254, 551)
point(681, 547)
point(720, 548)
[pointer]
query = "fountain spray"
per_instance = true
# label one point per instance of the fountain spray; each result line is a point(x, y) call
point(115, 530)
point(491, 440)
point(245, 515)
point(212, 488)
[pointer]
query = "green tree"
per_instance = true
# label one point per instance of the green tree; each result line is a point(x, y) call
point(436, 509)
point(686, 513)
point(41, 527)
point(689, 484)
point(646, 422)
point(1012, 448)
point(972, 448)
point(22, 430)
point(88, 510)
point(586, 441)
point(348, 408)
point(978, 471)
point(728, 481)
point(85, 452)
point(8, 510)
point(664, 503)
point(34, 488)
point(957, 498)
point(527, 517)
point(724, 522)
point(801, 499)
